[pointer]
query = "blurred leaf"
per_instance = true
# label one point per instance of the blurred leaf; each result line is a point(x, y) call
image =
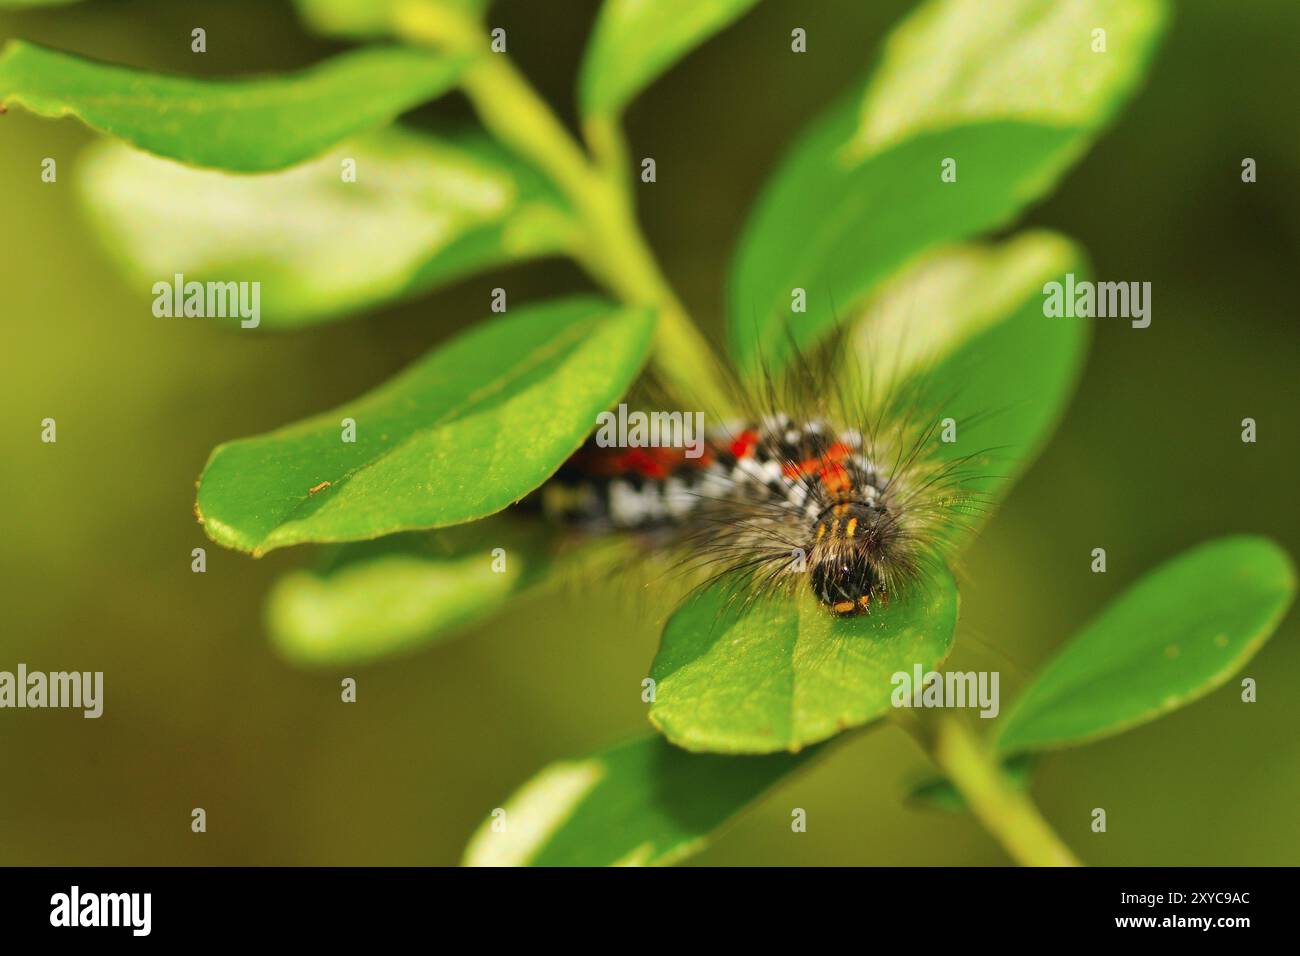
point(36, 3)
point(937, 793)
point(422, 211)
point(641, 803)
point(1180, 632)
point(247, 125)
point(954, 61)
point(634, 42)
point(473, 426)
point(965, 328)
point(781, 672)
point(378, 598)
point(368, 18)
point(1012, 91)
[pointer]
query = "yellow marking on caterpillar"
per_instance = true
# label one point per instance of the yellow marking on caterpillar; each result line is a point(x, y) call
point(851, 527)
point(842, 607)
point(315, 488)
point(821, 531)
point(865, 600)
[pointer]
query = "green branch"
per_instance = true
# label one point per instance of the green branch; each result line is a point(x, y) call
point(1004, 811)
point(614, 251)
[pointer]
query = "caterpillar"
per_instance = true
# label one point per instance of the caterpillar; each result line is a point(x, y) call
point(852, 503)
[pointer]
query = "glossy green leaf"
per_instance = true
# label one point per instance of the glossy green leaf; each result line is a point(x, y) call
point(469, 429)
point(375, 599)
point(245, 125)
point(964, 327)
point(1180, 632)
point(421, 211)
point(781, 672)
point(370, 18)
point(641, 803)
point(634, 42)
point(1011, 91)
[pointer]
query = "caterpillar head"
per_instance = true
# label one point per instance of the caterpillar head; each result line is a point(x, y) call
point(855, 543)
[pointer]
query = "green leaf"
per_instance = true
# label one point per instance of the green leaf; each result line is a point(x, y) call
point(641, 803)
point(422, 211)
point(1011, 91)
point(634, 42)
point(249, 125)
point(470, 428)
point(370, 18)
point(379, 598)
point(1176, 635)
point(781, 672)
point(36, 3)
point(965, 327)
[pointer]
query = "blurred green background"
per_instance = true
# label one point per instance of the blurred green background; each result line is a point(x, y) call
point(97, 529)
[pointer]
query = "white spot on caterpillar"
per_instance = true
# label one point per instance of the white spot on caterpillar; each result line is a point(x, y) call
point(652, 502)
point(625, 505)
point(715, 483)
point(677, 499)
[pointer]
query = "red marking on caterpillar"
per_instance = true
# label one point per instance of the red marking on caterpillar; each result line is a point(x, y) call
point(655, 463)
point(744, 444)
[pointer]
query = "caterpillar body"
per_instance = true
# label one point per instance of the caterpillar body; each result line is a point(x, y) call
point(777, 500)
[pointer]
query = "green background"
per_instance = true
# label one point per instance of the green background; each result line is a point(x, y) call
point(97, 529)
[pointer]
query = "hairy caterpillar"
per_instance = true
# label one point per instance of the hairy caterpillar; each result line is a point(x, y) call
point(853, 502)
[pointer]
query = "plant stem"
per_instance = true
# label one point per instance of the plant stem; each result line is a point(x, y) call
point(608, 145)
point(1005, 811)
point(615, 251)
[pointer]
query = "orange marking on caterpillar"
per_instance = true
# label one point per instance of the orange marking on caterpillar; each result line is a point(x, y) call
point(834, 455)
point(835, 478)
